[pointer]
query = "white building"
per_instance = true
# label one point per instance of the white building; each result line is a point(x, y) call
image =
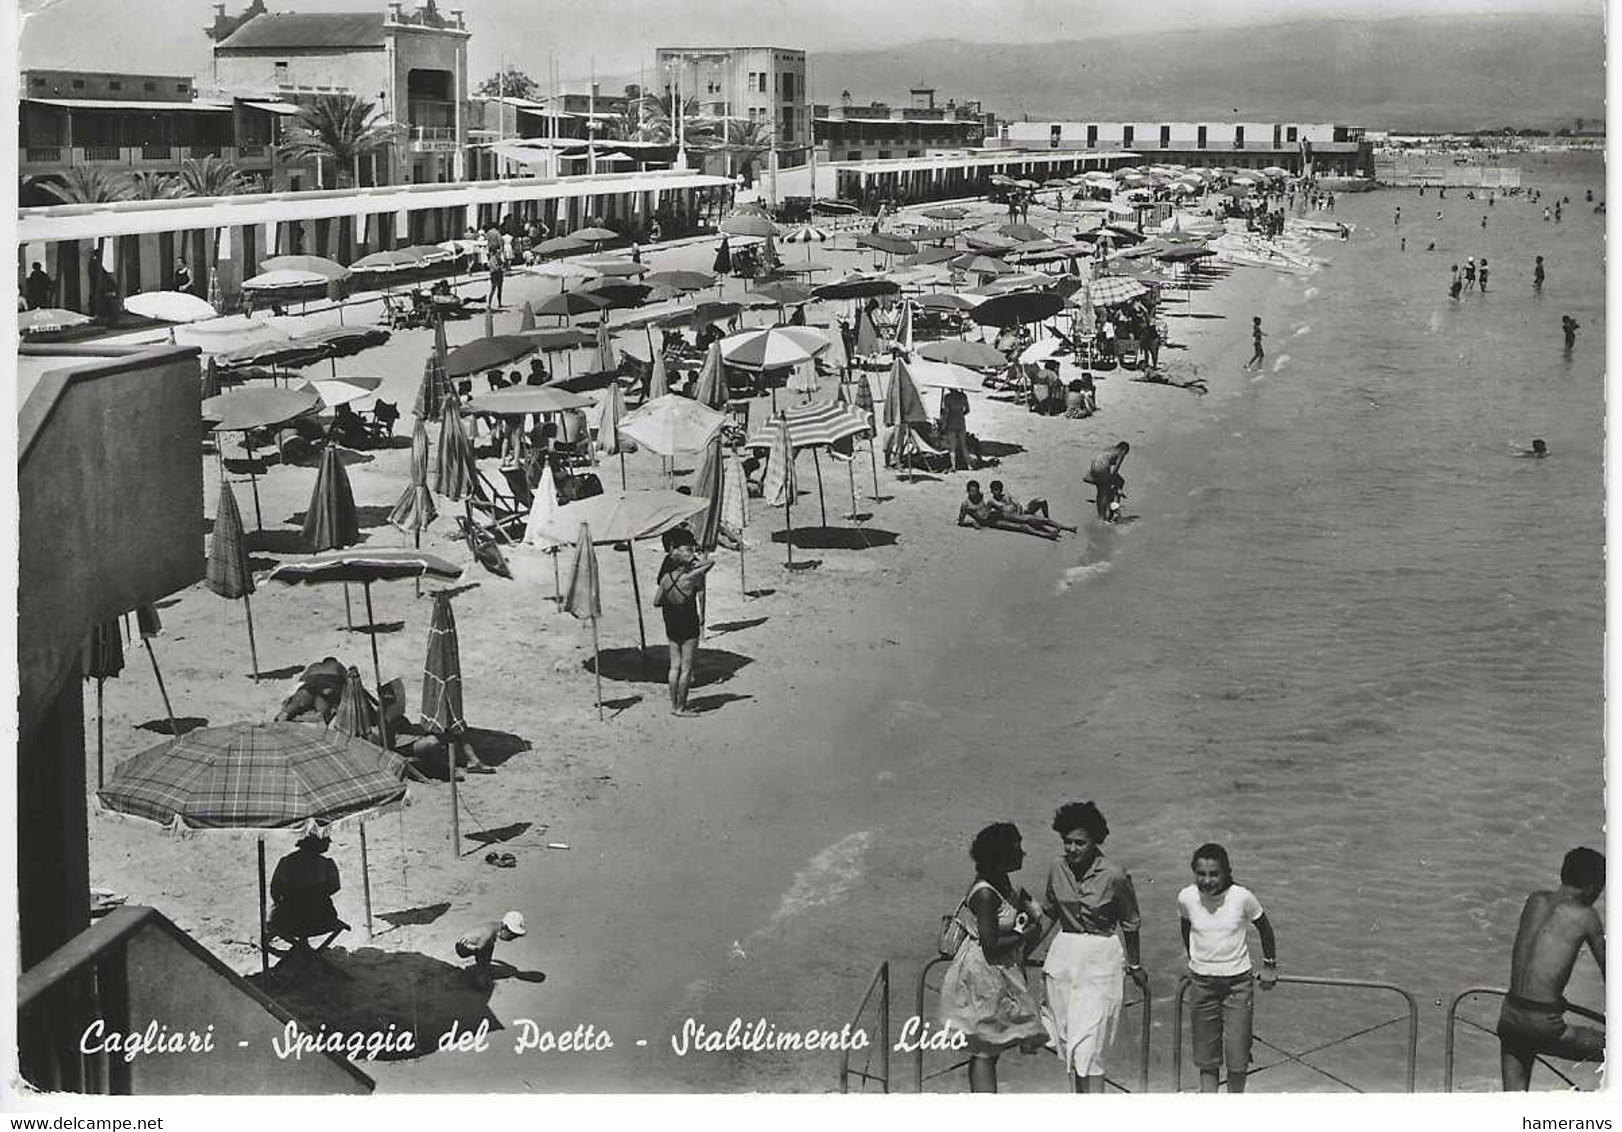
point(759, 84)
point(1326, 147)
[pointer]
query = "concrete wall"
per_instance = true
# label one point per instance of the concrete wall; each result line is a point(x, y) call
point(364, 71)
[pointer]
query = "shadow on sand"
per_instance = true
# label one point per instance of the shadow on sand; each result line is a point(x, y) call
point(837, 538)
point(629, 665)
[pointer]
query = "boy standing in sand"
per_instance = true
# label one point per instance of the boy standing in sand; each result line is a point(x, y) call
point(1554, 928)
point(1256, 337)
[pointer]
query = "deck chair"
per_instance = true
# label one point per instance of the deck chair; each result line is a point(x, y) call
point(298, 946)
point(396, 314)
point(384, 416)
point(1127, 353)
point(502, 512)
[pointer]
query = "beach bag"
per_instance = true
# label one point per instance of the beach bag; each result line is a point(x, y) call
point(953, 931)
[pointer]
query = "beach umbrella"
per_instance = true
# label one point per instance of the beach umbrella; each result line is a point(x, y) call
point(526, 318)
point(310, 264)
point(659, 379)
point(815, 426)
point(435, 386)
point(943, 301)
point(987, 242)
point(487, 353)
point(889, 245)
point(903, 332)
point(566, 304)
point(594, 235)
point(1113, 289)
point(561, 270)
point(723, 258)
point(335, 391)
point(233, 332)
point(946, 212)
point(211, 379)
point(622, 516)
point(671, 423)
point(1021, 232)
point(928, 257)
point(704, 314)
point(618, 295)
point(748, 224)
point(943, 375)
point(806, 234)
point(857, 287)
point(354, 718)
point(416, 510)
point(562, 245)
point(584, 599)
point(930, 235)
point(1017, 308)
point(290, 353)
point(981, 265)
point(608, 429)
point(228, 572)
point(101, 659)
point(773, 347)
point(170, 306)
point(383, 262)
point(433, 253)
point(283, 279)
point(343, 341)
point(1185, 253)
point(867, 336)
point(616, 268)
point(779, 487)
point(606, 361)
point(442, 696)
point(566, 338)
point(712, 384)
point(331, 521)
point(903, 407)
point(245, 410)
point(781, 294)
point(455, 470)
point(1043, 349)
point(521, 400)
point(680, 280)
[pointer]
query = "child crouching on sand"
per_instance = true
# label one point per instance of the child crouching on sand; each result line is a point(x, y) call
point(479, 944)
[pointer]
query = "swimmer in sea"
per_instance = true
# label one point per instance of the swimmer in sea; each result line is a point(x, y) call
point(1568, 327)
point(1537, 452)
point(1256, 337)
point(1555, 927)
point(1537, 275)
point(1481, 274)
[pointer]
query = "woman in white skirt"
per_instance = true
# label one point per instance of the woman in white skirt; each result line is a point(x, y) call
point(984, 993)
point(1092, 900)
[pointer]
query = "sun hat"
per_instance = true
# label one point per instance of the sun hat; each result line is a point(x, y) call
point(313, 831)
point(513, 922)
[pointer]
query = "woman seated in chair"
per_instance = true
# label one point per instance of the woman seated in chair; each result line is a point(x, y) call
point(302, 888)
point(348, 428)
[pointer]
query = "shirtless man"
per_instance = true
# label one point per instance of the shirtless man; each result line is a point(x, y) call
point(976, 511)
point(1034, 511)
point(1554, 927)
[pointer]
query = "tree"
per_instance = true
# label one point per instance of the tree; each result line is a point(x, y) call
point(210, 177)
point(511, 83)
point(146, 185)
point(334, 132)
point(748, 141)
point(657, 121)
point(87, 184)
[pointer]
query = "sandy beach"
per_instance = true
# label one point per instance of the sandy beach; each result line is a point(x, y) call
point(655, 855)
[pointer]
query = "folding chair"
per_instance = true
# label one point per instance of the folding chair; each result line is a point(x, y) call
point(395, 313)
point(298, 945)
point(384, 416)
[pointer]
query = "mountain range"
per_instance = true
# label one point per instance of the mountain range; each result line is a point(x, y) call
point(1422, 73)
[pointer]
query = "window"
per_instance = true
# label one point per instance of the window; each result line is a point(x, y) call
point(150, 87)
point(853, 155)
point(1290, 134)
point(1126, 135)
point(78, 84)
point(281, 73)
point(788, 123)
point(884, 155)
point(1278, 136)
point(1092, 137)
point(1238, 137)
point(788, 86)
point(182, 88)
point(1165, 137)
point(114, 84)
point(762, 86)
point(38, 82)
point(1200, 143)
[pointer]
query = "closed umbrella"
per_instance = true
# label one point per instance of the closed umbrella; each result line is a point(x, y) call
point(455, 469)
point(712, 384)
point(622, 516)
point(228, 572)
point(416, 509)
point(779, 487)
point(102, 658)
point(608, 430)
point(526, 318)
point(902, 409)
point(211, 379)
point(331, 522)
point(435, 386)
point(867, 337)
point(903, 333)
point(442, 696)
point(659, 380)
point(584, 599)
point(671, 423)
point(606, 361)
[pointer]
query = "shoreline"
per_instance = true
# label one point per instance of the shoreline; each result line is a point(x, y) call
point(689, 826)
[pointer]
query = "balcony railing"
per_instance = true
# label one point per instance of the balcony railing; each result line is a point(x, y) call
point(43, 153)
point(204, 150)
point(251, 150)
point(102, 153)
point(157, 153)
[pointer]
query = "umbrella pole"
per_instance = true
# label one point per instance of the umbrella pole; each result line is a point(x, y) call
point(822, 500)
point(264, 956)
point(366, 878)
point(101, 683)
point(622, 468)
point(850, 467)
point(788, 516)
point(258, 519)
point(162, 691)
point(597, 667)
point(557, 582)
point(349, 616)
point(636, 594)
point(873, 463)
point(743, 586)
point(452, 750)
point(253, 650)
point(416, 544)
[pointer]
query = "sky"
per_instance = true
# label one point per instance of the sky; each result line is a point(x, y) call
point(618, 37)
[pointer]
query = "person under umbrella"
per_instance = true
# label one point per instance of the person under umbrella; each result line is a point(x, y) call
point(302, 888)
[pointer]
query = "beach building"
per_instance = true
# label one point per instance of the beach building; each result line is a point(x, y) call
point(1322, 147)
point(128, 123)
point(878, 131)
point(937, 176)
point(551, 135)
point(411, 64)
point(762, 85)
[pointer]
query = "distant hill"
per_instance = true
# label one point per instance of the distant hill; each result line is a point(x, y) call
point(1437, 73)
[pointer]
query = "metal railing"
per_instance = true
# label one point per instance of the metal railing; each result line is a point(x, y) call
point(43, 153)
point(102, 153)
point(881, 983)
point(251, 150)
point(1449, 1062)
point(157, 153)
point(1299, 1057)
point(1144, 1000)
point(204, 150)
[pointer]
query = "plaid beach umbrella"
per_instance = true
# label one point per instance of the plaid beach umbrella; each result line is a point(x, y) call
point(442, 673)
point(672, 423)
point(331, 520)
point(252, 776)
point(455, 470)
point(1113, 289)
point(712, 384)
point(416, 510)
point(228, 572)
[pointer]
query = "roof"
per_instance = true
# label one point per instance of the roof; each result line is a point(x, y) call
point(284, 30)
point(130, 104)
point(272, 107)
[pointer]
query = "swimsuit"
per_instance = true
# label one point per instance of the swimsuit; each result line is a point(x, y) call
point(1527, 1026)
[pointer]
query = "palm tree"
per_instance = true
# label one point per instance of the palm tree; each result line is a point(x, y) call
point(747, 140)
point(211, 177)
point(657, 120)
point(338, 129)
point(87, 184)
point(146, 185)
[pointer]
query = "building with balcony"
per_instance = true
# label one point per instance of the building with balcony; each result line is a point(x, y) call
point(1321, 147)
point(411, 65)
point(765, 85)
point(127, 123)
point(878, 131)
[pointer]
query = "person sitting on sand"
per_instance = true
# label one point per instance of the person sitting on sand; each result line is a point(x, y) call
point(1032, 509)
point(319, 689)
point(976, 511)
point(302, 888)
point(478, 943)
point(1554, 928)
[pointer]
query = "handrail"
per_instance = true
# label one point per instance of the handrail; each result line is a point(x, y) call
point(881, 978)
point(1449, 1052)
point(1303, 980)
point(1143, 1036)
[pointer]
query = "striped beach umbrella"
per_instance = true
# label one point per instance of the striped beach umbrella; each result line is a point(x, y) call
point(775, 347)
point(813, 426)
point(228, 573)
point(455, 470)
point(435, 385)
